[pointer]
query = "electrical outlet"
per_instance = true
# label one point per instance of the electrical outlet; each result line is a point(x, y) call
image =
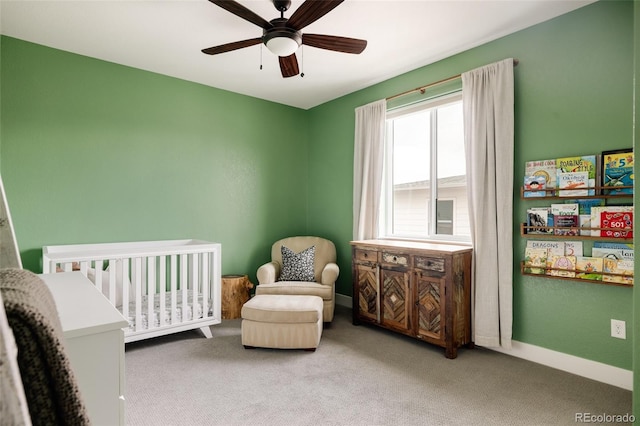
point(618, 329)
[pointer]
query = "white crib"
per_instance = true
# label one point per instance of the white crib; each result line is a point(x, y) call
point(161, 287)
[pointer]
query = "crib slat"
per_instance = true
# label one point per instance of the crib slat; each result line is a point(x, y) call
point(174, 288)
point(206, 262)
point(183, 285)
point(98, 270)
point(195, 272)
point(125, 289)
point(162, 280)
point(84, 268)
point(138, 294)
point(151, 291)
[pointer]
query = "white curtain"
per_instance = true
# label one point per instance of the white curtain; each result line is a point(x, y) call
point(487, 96)
point(368, 160)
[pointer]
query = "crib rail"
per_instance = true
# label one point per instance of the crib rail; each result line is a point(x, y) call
point(161, 287)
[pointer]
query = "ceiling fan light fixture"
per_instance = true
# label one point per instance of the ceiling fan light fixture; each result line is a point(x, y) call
point(282, 41)
point(282, 46)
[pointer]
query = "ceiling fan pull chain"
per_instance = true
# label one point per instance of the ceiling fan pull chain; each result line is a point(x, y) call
point(261, 57)
point(302, 60)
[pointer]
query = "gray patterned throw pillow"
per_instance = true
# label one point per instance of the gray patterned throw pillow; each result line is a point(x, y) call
point(297, 266)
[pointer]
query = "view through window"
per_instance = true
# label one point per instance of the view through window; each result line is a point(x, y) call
point(424, 144)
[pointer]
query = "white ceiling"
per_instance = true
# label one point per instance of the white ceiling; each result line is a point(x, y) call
point(166, 36)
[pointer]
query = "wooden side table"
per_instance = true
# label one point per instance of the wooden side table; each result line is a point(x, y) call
point(235, 293)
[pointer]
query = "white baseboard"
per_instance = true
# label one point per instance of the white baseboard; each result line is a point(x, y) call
point(593, 370)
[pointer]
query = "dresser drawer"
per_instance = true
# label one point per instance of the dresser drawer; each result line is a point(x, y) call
point(399, 259)
point(362, 255)
point(430, 263)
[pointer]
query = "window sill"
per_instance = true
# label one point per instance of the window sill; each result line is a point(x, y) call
point(428, 240)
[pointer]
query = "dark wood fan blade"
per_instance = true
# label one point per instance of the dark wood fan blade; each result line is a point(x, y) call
point(231, 46)
point(242, 12)
point(289, 65)
point(310, 11)
point(336, 43)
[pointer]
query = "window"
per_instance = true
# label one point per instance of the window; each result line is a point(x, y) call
point(424, 144)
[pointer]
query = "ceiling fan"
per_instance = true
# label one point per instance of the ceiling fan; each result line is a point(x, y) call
point(283, 36)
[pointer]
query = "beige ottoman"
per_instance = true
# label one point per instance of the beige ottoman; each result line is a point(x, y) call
point(282, 322)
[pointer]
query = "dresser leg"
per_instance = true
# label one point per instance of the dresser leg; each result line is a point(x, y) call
point(451, 352)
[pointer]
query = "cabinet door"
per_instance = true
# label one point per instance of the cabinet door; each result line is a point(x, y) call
point(430, 307)
point(366, 292)
point(396, 299)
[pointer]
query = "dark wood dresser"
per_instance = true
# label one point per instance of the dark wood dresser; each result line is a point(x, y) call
point(422, 290)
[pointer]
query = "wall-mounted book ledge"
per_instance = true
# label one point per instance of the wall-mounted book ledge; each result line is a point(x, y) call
point(606, 278)
point(598, 192)
point(555, 232)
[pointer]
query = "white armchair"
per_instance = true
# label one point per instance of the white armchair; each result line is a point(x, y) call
point(317, 280)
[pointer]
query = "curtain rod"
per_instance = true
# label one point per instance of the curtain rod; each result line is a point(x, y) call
point(422, 89)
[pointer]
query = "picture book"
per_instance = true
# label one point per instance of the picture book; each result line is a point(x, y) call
point(545, 244)
point(544, 168)
point(535, 260)
point(573, 248)
point(585, 224)
point(566, 225)
point(597, 215)
point(573, 184)
point(534, 186)
point(589, 268)
point(584, 210)
point(615, 254)
point(623, 270)
point(578, 164)
point(616, 245)
point(561, 266)
point(617, 170)
point(539, 219)
point(551, 246)
point(565, 216)
point(565, 209)
point(584, 205)
point(616, 224)
point(557, 248)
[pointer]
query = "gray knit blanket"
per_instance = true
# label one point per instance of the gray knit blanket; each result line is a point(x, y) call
point(49, 384)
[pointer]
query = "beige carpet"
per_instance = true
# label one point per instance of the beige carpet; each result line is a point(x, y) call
point(359, 375)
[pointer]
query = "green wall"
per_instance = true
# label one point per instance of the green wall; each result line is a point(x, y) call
point(98, 152)
point(573, 96)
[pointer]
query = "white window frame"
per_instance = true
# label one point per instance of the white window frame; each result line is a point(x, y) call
point(385, 226)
